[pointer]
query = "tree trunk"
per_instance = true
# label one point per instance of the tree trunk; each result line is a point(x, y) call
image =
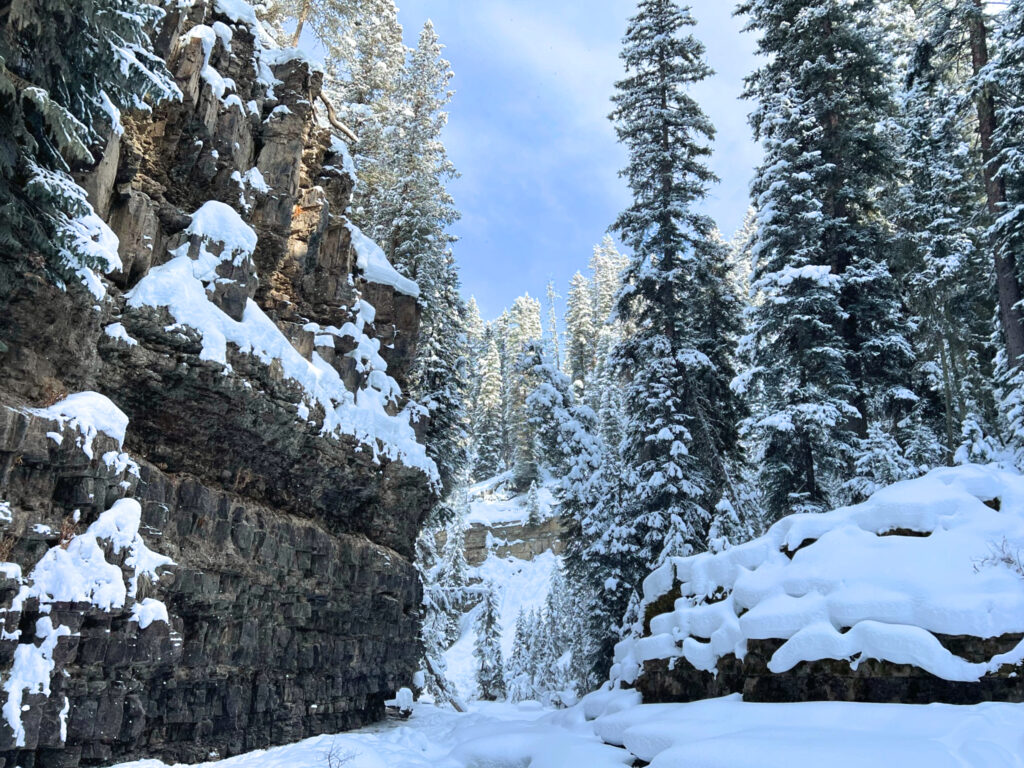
point(303, 15)
point(1011, 317)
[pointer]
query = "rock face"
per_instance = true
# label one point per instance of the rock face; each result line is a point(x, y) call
point(292, 606)
point(519, 540)
point(832, 679)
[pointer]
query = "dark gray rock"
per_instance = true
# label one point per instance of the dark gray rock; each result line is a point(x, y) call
point(293, 604)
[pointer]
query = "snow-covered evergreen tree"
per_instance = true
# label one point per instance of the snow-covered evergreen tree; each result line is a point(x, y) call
point(487, 426)
point(490, 672)
point(681, 433)
point(533, 511)
point(579, 328)
point(552, 336)
point(452, 571)
point(524, 327)
point(442, 604)
point(1005, 76)
point(365, 74)
point(943, 267)
point(68, 68)
point(827, 351)
point(519, 670)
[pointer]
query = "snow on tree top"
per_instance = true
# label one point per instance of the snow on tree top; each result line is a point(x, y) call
point(376, 268)
point(876, 580)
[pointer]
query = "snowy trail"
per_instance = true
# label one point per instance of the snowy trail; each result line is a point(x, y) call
point(718, 733)
point(491, 734)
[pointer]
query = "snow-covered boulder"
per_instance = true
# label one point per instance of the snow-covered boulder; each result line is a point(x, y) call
point(915, 595)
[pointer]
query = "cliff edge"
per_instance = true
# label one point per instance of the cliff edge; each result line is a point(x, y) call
point(210, 481)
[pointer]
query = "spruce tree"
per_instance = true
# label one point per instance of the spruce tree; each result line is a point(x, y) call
point(942, 262)
point(1006, 78)
point(452, 575)
point(490, 678)
point(681, 433)
point(439, 605)
point(579, 327)
point(524, 328)
point(828, 354)
point(487, 425)
point(533, 513)
point(551, 334)
point(518, 675)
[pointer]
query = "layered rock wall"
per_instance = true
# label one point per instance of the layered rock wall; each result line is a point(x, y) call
point(513, 539)
point(280, 474)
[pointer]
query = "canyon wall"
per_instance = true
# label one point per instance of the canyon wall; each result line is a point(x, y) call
point(262, 503)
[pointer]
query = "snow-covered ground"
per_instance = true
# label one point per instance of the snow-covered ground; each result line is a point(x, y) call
point(491, 503)
point(522, 585)
point(719, 733)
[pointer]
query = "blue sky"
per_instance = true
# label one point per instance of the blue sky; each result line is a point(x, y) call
point(530, 135)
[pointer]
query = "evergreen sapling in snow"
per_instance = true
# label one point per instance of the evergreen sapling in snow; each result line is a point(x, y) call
point(490, 677)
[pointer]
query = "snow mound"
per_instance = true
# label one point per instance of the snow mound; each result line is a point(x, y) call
point(731, 733)
point(181, 286)
point(89, 413)
point(878, 580)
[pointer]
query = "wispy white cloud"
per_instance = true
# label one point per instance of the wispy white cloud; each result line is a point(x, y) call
point(530, 134)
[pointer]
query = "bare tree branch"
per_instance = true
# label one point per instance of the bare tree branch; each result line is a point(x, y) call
point(332, 118)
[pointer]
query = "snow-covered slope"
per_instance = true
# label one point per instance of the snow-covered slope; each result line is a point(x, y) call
point(492, 503)
point(879, 580)
point(522, 585)
point(731, 733)
point(720, 733)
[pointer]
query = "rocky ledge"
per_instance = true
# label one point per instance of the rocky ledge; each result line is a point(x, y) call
point(914, 596)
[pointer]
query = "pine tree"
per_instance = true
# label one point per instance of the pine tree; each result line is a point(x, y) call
point(524, 327)
point(68, 68)
point(579, 326)
point(490, 678)
point(518, 673)
point(438, 608)
point(413, 217)
point(365, 74)
point(828, 355)
point(487, 427)
point(551, 334)
point(741, 252)
point(944, 269)
point(1006, 77)
point(453, 569)
point(533, 518)
point(682, 430)
point(606, 265)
